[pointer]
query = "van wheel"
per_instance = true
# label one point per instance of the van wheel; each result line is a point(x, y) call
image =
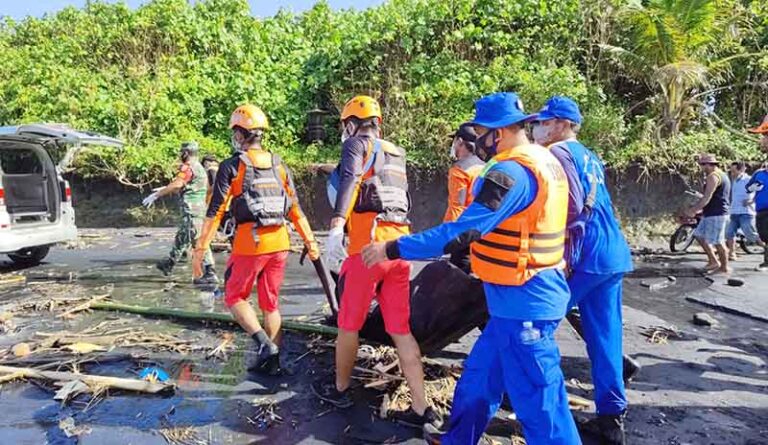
point(30, 256)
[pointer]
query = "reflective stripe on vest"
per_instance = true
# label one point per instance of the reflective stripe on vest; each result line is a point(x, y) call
point(258, 192)
point(532, 240)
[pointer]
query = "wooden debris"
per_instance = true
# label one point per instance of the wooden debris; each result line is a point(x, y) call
point(220, 351)
point(21, 349)
point(90, 380)
point(83, 348)
point(84, 306)
point(661, 334)
point(12, 279)
point(182, 435)
point(71, 390)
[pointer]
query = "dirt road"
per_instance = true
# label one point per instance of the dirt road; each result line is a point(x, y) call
point(700, 385)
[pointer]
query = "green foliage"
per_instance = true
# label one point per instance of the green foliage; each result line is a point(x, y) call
point(173, 70)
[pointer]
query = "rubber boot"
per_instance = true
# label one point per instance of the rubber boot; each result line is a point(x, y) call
point(166, 266)
point(208, 277)
point(608, 429)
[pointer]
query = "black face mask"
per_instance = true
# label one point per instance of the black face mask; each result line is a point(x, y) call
point(484, 151)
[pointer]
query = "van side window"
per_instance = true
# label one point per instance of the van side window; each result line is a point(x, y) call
point(19, 161)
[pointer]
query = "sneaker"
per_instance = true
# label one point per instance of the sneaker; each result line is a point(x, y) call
point(609, 429)
point(327, 392)
point(165, 266)
point(263, 358)
point(413, 420)
point(763, 267)
point(630, 369)
point(208, 277)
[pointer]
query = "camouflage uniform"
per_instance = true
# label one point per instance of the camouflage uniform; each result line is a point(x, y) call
point(193, 209)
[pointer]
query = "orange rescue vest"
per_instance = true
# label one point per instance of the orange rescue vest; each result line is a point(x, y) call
point(532, 240)
point(461, 177)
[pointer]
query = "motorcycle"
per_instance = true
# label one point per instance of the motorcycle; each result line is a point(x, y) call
point(682, 238)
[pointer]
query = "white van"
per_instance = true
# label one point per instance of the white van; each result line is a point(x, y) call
point(35, 201)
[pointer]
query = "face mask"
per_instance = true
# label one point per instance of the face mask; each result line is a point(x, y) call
point(486, 152)
point(453, 149)
point(541, 134)
point(347, 132)
point(234, 143)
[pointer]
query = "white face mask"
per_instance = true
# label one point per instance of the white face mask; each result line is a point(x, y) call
point(542, 133)
point(453, 149)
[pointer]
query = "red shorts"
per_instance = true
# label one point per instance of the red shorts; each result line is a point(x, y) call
point(243, 270)
point(359, 286)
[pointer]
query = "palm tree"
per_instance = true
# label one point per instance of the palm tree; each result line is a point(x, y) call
point(674, 47)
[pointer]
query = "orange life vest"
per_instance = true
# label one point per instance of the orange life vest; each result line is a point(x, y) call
point(532, 240)
point(461, 176)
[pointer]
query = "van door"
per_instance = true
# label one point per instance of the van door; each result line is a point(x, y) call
point(67, 141)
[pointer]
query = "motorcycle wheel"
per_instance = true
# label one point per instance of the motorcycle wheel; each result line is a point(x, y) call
point(682, 239)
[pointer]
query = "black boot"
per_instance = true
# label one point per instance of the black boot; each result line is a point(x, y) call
point(208, 277)
point(263, 358)
point(609, 429)
point(631, 368)
point(166, 266)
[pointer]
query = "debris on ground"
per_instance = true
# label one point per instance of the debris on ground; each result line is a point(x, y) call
point(704, 319)
point(661, 334)
point(154, 374)
point(182, 435)
point(12, 279)
point(659, 284)
point(6, 323)
point(92, 381)
point(266, 414)
point(223, 348)
point(735, 282)
point(21, 350)
point(68, 427)
point(52, 295)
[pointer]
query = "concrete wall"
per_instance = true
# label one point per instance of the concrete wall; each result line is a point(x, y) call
point(644, 202)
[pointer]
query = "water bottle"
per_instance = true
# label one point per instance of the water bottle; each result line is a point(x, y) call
point(529, 335)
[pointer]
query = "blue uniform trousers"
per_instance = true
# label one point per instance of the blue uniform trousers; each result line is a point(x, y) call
point(598, 297)
point(531, 376)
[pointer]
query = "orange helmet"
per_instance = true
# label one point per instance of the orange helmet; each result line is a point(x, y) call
point(249, 117)
point(361, 107)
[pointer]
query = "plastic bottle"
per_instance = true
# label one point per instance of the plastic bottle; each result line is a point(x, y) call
point(529, 335)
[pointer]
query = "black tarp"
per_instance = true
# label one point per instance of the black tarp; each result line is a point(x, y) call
point(446, 304)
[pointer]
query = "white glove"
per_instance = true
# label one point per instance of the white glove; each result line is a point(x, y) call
point(335, 252)
point(149, 200)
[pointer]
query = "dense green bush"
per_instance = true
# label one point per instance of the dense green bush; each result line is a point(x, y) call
point(171, 71)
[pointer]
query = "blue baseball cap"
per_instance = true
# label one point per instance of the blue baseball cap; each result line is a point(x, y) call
point(499, 110)
point(559, 107)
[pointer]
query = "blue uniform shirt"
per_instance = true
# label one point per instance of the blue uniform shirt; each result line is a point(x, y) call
point(543, 297)
point(760, 179)
point(596, 244)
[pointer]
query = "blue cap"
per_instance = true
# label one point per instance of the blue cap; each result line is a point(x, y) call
point(559, 107)
point(499, 110)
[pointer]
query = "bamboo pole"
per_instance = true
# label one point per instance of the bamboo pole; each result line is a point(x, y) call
point(90, 380)
point(209, 316)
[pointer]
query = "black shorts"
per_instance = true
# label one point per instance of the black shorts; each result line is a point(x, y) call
point(762, 225)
